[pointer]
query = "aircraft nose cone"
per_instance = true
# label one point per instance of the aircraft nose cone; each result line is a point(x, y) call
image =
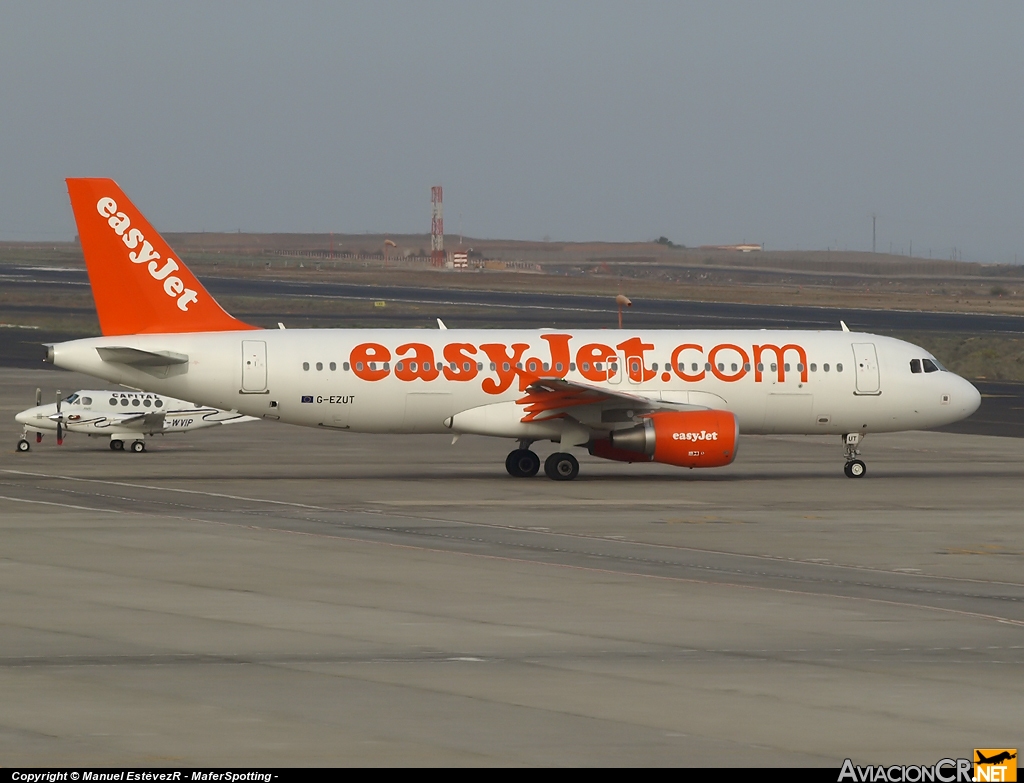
point(971, 397)
point(22, 418)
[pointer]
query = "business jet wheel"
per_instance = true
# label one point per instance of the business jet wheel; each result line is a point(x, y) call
point(561, 466)
point(138, 446)
point(855, 468)
point(23, 445)
point(522, 463)
point(117, 445)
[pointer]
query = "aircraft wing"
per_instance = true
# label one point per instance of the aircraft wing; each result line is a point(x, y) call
point(141, 422)
point(552, 398)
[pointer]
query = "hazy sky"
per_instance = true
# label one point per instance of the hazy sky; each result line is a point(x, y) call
point(784, 123)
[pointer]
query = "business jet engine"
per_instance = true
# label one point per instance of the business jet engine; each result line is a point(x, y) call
point(690, 439)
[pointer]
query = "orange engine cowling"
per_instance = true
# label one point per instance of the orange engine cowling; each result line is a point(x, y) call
point(690, 439)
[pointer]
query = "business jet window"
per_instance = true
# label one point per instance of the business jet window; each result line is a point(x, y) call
point(87, 401)
point(147, 403)
point(136, 402)
point(915, 365)
point(113, 400)
point(124, 402)
point(158, 403)
point(929, 365)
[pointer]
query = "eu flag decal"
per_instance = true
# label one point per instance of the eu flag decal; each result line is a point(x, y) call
point(307, 398)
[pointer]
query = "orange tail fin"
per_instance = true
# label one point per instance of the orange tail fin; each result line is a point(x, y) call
point(137, 282)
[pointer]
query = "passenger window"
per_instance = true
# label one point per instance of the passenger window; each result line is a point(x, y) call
point(480, 366)
point(707, 366)
point(598, 365)
point(786, 366)
point(760, 366)
point(344, 366)
point(721, 367)
point(147, 403)
point(545, 366)
point(305, 365)
point(113, 400)
point(519, 365)
point(733, 367)
point(929, 365)
point(413, 366)
point(159, 403)
point(585, 366)
point(839, 367)
point(915, 365)
point(399, 366)
point(775, 367)
point(387, 365)
point(359, 365)
point(558, 366)
point(333, 366)
point(654, 366)
point(466, 366)
point(135, 402)
point(124, 401)
point(825, 367)
point(506, 366)
point(693, 367)
point(319, 366)
point(572, 367)
point(746, 366)
point(454, 366)
point(800, 367)
point(814, 367)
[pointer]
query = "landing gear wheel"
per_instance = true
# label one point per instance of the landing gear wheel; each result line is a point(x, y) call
point(117, 445)
point(138, 446)
point(561, 466)
point(23, 445)
point(522, 463)
point(855, 468)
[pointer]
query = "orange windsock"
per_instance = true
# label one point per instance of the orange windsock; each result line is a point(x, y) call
point(138, 283)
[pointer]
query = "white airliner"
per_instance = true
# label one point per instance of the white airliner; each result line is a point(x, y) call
point(676, 397)
point(122, 416)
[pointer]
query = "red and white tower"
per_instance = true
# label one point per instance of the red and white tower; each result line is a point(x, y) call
point(436, 227)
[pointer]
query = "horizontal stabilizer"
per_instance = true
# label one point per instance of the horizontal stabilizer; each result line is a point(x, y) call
point(134, 357)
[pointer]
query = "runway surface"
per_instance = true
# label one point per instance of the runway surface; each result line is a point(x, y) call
point(532, 310)
point(262, 594)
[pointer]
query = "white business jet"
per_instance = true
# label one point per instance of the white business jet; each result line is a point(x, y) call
point(122, 416)
point(670, 396)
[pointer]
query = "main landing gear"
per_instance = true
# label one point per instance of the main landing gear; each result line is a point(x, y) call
point(136, 447)
point(855, 468)
point(523, 463)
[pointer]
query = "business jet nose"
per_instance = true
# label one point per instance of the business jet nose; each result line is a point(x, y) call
point(22, 418)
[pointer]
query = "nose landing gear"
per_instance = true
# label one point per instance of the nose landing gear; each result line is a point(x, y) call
point(855, 468)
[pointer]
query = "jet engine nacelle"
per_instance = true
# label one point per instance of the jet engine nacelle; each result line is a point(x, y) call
point(690, 439)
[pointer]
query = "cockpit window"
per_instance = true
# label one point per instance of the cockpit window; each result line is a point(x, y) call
point(71, 400)
point(929, 365)
point(915, 365)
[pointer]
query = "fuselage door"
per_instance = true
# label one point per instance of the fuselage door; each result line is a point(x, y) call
point(254, 366)
point(866, 361)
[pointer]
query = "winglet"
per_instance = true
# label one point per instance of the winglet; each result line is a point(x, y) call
point(138, 283)
point(845, 327)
